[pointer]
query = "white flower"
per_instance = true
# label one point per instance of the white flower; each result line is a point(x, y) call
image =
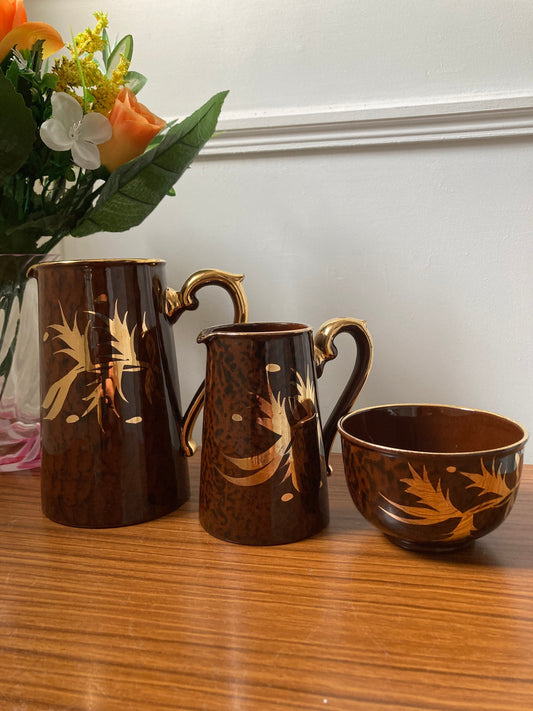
point(19, 59)
point(69, 129)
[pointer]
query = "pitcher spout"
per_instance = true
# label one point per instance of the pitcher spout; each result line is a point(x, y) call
point(208, 335)
point(228, 329)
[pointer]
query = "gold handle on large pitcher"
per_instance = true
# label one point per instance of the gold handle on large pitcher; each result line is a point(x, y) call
point(325, 350)
point(176, 302)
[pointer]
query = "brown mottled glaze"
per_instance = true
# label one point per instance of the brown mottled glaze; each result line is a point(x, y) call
point(264, 464)
point(432, 477)
point(111, 422)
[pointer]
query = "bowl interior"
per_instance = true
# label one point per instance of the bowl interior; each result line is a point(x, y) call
point(432, 428)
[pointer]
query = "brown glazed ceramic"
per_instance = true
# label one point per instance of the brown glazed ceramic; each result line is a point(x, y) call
point(264, 457)
point(432, 477)
point(114, 440)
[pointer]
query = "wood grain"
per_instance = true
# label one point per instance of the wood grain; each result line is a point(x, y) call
point(163, 616)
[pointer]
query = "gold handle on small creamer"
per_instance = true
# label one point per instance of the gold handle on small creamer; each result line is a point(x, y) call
point(176, 302)
point(325, 350)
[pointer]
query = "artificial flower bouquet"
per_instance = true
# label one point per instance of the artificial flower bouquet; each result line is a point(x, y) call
point(78, 152)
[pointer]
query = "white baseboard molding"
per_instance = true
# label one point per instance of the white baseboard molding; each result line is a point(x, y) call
point(334, 127)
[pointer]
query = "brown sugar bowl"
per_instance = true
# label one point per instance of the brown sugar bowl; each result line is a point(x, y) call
point(432, 477)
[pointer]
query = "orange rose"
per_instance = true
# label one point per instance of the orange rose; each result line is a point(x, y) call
point(12, 14)
point(134, 126)
point(16, 31)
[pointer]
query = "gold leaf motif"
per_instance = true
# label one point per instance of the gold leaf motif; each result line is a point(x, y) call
point(124, 357)
point(275, 418)
point(258, 477)
point(76, 348)
point(108, 375)
point(489, 481)
point(435, 506)
point(306, 388)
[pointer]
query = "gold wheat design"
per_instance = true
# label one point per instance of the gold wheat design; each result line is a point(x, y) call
point(436, 507)
point(274, 418)
point(76, 346)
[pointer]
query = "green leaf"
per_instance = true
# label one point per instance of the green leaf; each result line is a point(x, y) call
point(13, 73)
point(49, 81)
point(22, 238)
point(136, 188)
point(135, 81)
point(125, 47)
point(105, 51)
point(17, 130)
point(156, 140)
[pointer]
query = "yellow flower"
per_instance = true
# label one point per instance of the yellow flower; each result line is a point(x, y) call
point(120, 72)
point(104, 98)
point(102, 22)
point(90, 41)
point(102, 90)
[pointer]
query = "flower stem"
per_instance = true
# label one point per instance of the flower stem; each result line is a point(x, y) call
point(80, 69)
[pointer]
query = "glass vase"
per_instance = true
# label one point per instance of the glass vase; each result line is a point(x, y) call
point(19, 364)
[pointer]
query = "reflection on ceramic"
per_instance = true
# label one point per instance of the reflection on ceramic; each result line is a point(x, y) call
point(432, 477)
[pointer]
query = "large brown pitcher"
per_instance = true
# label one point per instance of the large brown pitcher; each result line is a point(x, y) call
point(114, 439)
point(264, 453)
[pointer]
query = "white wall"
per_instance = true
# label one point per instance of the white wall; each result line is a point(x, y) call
point(377, 161)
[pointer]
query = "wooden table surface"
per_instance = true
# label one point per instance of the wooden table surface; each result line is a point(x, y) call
point(163, 616)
